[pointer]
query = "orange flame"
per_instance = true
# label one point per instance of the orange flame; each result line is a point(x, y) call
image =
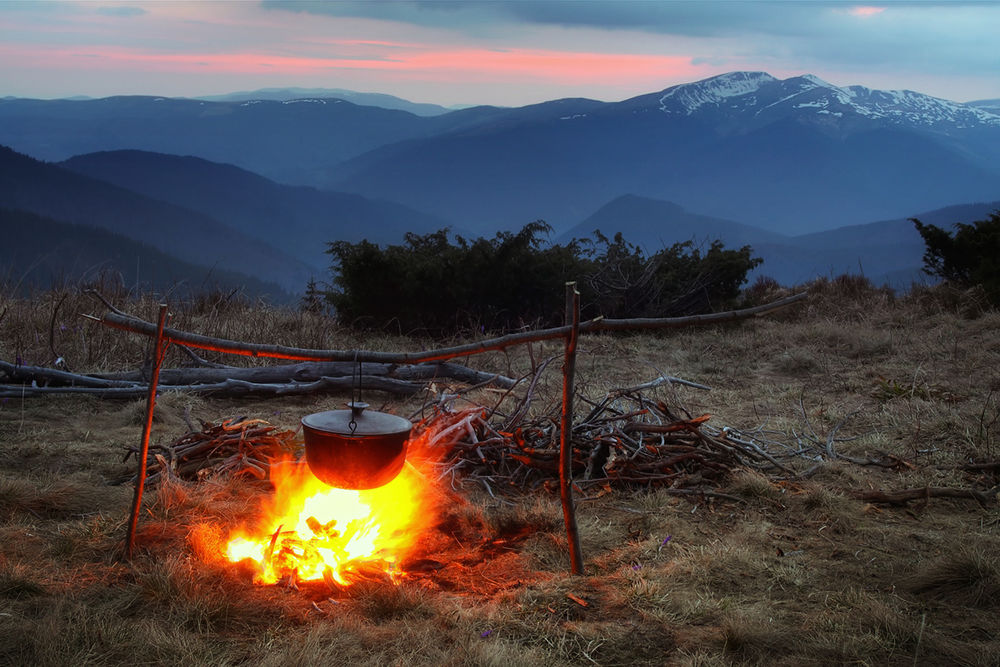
point(312, 531)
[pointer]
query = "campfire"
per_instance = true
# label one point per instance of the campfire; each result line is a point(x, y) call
point(310, 531)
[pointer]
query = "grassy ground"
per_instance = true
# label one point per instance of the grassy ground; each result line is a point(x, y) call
point(800, 572)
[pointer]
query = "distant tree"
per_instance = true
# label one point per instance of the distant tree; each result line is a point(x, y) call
point(314, 300)
point(966, 257)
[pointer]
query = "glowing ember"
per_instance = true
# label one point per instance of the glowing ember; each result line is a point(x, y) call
point(312, 531)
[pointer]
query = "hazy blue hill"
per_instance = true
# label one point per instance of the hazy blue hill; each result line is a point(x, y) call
point(510, 170)
point(898, 232)
point(286, 141)
point(67, 196)
point(41, 252)
point(365, 99)
point(949, 215)
point(299, 220)
point(790, 177)
point(654, 224)
point(887, 251)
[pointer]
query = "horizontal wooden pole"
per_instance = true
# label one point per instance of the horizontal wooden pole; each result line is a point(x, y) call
point(135, 325)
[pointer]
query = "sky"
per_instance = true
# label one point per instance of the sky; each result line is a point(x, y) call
point(507, 53)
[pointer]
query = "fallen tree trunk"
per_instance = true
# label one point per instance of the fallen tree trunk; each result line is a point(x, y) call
point(283, 380)
point(27, 374)
point(310, 371)
point(228, 388)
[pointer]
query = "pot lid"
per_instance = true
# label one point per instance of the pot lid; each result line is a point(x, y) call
point(368, 422)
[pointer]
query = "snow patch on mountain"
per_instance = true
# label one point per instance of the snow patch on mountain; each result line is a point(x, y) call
point(755, 92)
point(917, 108)
point(712, 91)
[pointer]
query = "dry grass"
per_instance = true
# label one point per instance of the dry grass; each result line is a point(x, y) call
point(799, 572)
point(968, 576)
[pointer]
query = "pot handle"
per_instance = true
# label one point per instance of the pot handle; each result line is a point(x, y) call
point(357, 407)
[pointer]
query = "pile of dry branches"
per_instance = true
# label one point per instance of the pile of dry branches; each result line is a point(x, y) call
point(625, 440)
point(237, 446)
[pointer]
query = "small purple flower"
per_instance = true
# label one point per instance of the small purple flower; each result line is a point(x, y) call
point(665, 540)
point(636, 567)
point(485, 633)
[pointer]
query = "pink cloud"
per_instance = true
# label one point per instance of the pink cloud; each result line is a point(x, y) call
point(439, 65)
point(865, 11)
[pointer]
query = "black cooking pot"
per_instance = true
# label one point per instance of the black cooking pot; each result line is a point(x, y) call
point(354, 449)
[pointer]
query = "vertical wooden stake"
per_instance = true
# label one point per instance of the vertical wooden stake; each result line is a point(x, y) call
point(159, 351)
point(565, 430)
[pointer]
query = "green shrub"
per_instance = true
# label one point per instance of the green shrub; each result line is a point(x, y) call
point(678, 280)
point(966, 258)
point(432, 284)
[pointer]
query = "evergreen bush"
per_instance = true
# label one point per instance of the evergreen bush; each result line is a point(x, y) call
point(514, 280)
point(967, 257)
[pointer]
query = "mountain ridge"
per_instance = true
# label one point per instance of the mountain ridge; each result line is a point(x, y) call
point(300, 220)
point(60, 194)
point(381, 100)
point(789, 155)
point(783, 162)
point(40, 252)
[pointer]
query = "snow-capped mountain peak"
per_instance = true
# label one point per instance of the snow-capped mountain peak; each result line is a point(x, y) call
point(754, 93)
point(816, 81)
point(691, 96)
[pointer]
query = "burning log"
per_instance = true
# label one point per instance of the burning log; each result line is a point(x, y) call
point(309, 531)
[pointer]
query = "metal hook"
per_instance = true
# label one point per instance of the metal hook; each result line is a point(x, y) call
point(356, 393)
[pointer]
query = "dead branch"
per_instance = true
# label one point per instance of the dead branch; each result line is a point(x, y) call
point(990, 466)
point(906, 495)
point(27, 374)
point(522, 409)
point(237, 446)
point(663, 379)
point(198, 361)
